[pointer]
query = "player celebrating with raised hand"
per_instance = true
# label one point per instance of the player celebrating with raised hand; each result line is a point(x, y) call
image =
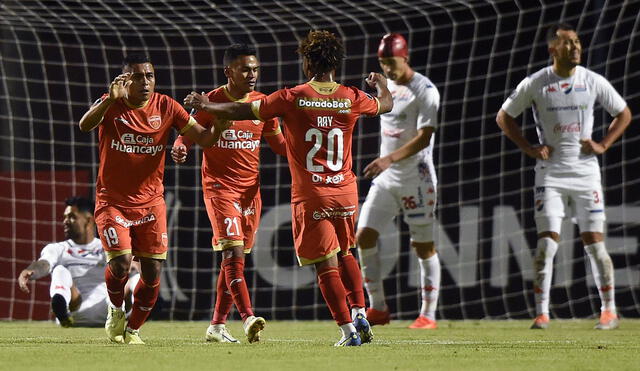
point(567, 180)
point(320, 116)
point(232, 189)
point(78, 292)
point(134, 125)
point(405, 181)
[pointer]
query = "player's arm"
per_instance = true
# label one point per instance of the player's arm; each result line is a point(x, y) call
point(35, 270)
point(512, 131)
point(227, 111)
point(617, 127)
point(409, 149)
point(94, 116)
point(379, 82)
point(277, 143)
point(203, 136)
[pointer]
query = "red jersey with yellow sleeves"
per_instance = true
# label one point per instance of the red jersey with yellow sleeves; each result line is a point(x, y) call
point(132, 143)
point(231, 165)
point(319, 118)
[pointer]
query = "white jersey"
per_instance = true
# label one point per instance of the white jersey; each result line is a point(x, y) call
point(563, 113)
point(415, 106)
point(85, 262)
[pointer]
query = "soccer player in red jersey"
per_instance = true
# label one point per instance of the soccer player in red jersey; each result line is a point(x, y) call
point(320, 116)
point(232, 189)
point(134, 125)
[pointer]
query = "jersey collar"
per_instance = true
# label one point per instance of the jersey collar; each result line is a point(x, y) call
point(324, 88)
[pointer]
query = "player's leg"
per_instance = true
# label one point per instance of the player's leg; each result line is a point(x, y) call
point(550, 205)
point(60, 292)
point(591, 219)
point(217, 332)
point(316, 243)
point(149, 244)
point(377, 211)
point(418, 200)
point(116, 241)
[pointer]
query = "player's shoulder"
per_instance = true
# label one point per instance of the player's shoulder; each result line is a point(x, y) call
point(58, 246)
point(589, 75)
point(255, 95)
point(421, 85)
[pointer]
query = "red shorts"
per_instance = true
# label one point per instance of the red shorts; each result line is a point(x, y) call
point(138, 231)
point(323, 226)
point(234, 221)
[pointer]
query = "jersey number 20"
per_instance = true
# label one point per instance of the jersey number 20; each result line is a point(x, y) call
point(335, 148)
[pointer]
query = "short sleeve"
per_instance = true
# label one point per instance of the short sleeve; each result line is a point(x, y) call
point(365, 103)
point(608, 97)
point(180, 117)
point(271, 106)
point(520, 99)
point(51, 253)
point(428, 104)
point(271, 128)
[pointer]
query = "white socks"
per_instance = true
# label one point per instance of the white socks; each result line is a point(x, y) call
point(358, 310)
point(543, 270)
point(430, 285)
point(347, 329)
point(370, 265)
point(61, 283)
point(602, 269)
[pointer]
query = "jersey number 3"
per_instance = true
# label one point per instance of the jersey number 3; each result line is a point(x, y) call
point(335, 149)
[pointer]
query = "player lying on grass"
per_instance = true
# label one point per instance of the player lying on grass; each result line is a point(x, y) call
point(78, 291)
point(319, 117)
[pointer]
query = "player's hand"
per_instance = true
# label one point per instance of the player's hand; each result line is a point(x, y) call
point(23, 280)
point(179, 153)
point(377, 166)
point(195, 100)
point(588, 147)
point(374, 79)
point(539, 152)
point(119, 86)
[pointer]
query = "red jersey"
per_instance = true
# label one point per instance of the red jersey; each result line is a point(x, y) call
point(320, 117)
point(132, 150)
point(231, 165)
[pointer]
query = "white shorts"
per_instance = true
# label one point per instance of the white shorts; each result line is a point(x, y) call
point(414, 198)
point(552, 204)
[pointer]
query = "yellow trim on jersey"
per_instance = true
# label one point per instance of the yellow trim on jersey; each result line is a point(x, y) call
point(302, 261)
point(115, 254)
point(225, 89)
point(134, 106)
point(162, 256)
point(189, 125)
point(378, 103)
point(273, 133)
point(255, 107)
point(324, 88)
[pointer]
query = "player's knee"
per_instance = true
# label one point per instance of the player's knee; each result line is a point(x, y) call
point(549, 234)
point(589, 238)
point(424, 250)
point(119, 266)
point(151, 269)
point(366, 238)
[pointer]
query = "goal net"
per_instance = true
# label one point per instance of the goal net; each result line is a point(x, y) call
point(57, 57)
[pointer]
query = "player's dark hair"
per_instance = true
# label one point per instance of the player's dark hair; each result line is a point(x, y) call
point(83, 204)
point(135, 58)
point(322, 50)
point(235, 51)
point(553, 30)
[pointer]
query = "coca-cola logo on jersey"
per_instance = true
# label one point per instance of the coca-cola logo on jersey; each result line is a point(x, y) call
point(573, 127)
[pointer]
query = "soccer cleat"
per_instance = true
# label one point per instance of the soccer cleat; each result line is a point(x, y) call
point(219, 334)
point(424, 323)
point(353, 340)
point(364, 329)
point(608, 321)
point(67, 322)
point(115, 324)
point(132, 337)
point(253, 326)
point(378, 317)
point(541, 322)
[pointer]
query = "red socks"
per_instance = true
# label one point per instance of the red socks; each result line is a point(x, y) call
point(352, 280)
point(234, 274)
point(334, 294)
point(224, 300)
point(144, 298)
point(115, 287)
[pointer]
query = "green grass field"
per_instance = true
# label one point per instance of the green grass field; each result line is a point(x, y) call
point(456, 345)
